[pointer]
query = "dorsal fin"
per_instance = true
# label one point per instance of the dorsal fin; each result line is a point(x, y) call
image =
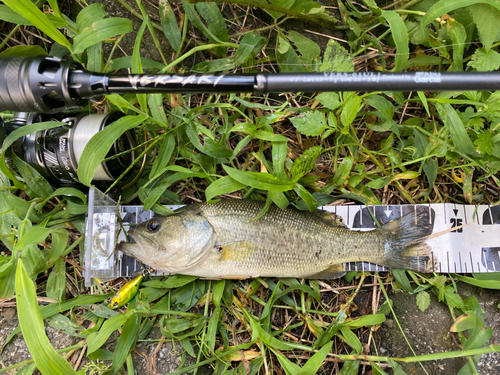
point(331, 219)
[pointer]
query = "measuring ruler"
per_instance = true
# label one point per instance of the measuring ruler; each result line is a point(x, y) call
point(474, 248)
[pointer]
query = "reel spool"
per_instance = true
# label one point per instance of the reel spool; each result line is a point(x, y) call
point(56, 153)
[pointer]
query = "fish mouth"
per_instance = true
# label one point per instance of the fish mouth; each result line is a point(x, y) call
point(136, 245)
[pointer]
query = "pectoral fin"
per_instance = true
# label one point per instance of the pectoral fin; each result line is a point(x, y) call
point(236, 251)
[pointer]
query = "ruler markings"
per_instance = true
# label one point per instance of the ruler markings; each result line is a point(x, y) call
point(476, 236)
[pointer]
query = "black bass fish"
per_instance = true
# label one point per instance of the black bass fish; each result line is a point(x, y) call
point(222, 240)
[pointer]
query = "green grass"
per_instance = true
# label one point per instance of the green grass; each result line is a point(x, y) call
point(300, 149)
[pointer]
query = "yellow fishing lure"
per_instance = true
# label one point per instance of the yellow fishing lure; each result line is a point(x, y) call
point(126, 292)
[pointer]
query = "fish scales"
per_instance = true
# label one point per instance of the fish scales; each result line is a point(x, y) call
point(223, 240)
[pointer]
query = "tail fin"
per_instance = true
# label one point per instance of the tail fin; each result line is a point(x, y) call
point(404, 239)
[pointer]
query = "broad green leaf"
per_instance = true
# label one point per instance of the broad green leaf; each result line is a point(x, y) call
point(329, 99)
point(372, 5)
point(367, 320)
point(336, 59)
point(308, 198)
point(279, 153)
point(196, 21)
point(454, 125)
point(350, 368)
point(163, 157)
point(22, 50)
point(287, 365)
point(30, 11)
point(341, 175)
point(314, 363)
point(101, 30)
point(169, 24)
point(16, 134)
point(7, 280)
point(46, 358)
point(127, 339)
point(447, 6)
point(90, 14)
point(385, 107)
point(221, 186)
point(37, 185)
point(214, 19)
point(97, 339)
point(312, 123)
point(484, 61)
point(458, 35)
point(100, 144)
point(486, 19)
point(423, 300)
point(263, 181)
point(331, 330)
point(56, 283)
point(478, 337)
point(213, 323)
point(488, 284)
point(351, 339)
point(402, 279)
point(484, 143)
point(210, 147)
point(309, 50)
point(247, 45)
point(466, 321)
point(34, 236)
point(218, 291)
point(279, 199)
point(349, 112)
point(305, 163)
point(8, 15)
point(136, 61)
point(400, 36)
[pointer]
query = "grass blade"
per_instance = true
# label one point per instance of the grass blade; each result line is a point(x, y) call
point(446, 6)
point(263, 181)
point(101, 30)
point(169, 25)
point(400, 35)
point(126, 340)
point(221, 186)
point(97, 148)
point(314, 363)
point(30, 11)
point(30, 320)
point(97, 339)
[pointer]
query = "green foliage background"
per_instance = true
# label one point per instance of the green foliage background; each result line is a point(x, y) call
point(301, 149)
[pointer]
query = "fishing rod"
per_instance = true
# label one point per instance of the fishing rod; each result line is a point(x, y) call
point(49, 85)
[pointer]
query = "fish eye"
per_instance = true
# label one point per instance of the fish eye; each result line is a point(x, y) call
point(115, 304)
point(153, 225)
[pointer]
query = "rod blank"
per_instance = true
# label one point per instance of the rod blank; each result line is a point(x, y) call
point(47, 84)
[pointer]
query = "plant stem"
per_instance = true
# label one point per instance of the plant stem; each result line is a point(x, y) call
point(4, 42)
point(397, 321)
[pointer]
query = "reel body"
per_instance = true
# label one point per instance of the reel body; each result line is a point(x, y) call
point(56, 153)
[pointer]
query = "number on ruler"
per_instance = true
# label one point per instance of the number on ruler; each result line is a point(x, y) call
point(456, 222)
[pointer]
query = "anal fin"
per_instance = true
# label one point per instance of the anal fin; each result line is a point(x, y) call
point(335, 271)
